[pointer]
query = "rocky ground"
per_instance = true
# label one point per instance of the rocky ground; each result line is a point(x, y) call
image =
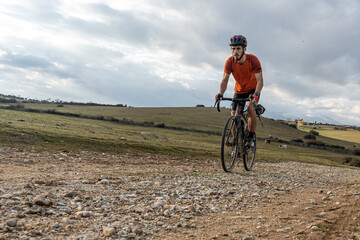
point(100, 196)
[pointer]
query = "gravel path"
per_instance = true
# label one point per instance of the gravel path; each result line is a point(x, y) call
point(101, 196)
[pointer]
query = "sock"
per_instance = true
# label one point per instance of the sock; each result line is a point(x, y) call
point(251, 134)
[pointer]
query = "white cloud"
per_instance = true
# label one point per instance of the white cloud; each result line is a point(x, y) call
point(140, 52)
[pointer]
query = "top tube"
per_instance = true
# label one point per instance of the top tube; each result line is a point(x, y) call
point(237, 100)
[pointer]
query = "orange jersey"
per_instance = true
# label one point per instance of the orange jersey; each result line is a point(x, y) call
point(244, 74)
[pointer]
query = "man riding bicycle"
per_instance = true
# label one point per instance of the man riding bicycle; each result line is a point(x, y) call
point(247, 72)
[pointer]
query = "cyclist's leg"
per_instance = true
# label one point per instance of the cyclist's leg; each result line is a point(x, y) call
point(252, 115)
point(252, 118)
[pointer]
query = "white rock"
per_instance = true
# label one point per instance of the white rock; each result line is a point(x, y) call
point(108, 231)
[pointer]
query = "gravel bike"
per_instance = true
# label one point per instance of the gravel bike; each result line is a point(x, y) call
point(235, 134)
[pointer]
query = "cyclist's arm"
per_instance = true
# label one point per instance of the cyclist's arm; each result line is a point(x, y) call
point(260, 82)
point(224, 83)
point(259, 85)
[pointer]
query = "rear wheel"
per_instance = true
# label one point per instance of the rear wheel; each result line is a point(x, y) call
point(229, 145)
point(249, 155)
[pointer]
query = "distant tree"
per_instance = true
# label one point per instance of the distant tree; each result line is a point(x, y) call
point(200, 105)
point(314, 132)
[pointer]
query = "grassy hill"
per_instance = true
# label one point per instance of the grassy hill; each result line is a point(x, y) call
point(49, 132)
point(200, 118)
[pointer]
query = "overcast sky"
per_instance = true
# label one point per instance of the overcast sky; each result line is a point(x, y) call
point(171, 53)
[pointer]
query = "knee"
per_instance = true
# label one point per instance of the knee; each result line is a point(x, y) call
point(233, 112)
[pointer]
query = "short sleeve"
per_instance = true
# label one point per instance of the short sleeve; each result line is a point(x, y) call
point(255, 64)
point(228, 66)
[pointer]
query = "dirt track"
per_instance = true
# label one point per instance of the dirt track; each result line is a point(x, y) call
point(92, 196)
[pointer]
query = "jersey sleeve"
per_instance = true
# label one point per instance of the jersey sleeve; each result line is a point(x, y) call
point(228, 66)
point(255, 64)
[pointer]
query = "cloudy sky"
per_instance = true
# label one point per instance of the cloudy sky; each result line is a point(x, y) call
point(171, 53)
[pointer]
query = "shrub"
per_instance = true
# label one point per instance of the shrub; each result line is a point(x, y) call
point(340, 128)
point(297, 140)
point(146, 123)
point(17, 106)
point(5, 100)
point(50, 111)
point(337, 146)
point(200, 105)
point(310, 136)
point(346, 160)
point(60, 105)
point(319, 143)
point(314, 132)
point(357, 152)
point(292, 125)
point(160, 125)
point(355, 162)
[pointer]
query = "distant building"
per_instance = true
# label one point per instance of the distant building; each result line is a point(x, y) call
point(300, 122)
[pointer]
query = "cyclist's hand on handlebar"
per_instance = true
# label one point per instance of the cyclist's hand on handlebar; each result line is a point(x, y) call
point(254, 101)
point(218, 97)
point(255, 98)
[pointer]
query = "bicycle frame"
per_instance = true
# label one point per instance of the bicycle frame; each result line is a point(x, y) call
point(240, 106)
point(239, 131)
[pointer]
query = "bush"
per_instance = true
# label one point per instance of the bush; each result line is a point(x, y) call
point(314, 132)
point(282, 141)
point(292, 125)
point(336, 146)
point(355, 162)
point(297, 140)
point(160, 125)
point(310, 136)
point(17, 106)
point(346, 160)
point(340, 128)
point(319, 143)
point(146, 123)
point(357, 152)
point(60, 105)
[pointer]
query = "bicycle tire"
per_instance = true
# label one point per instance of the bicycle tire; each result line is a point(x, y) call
point(229, 145)
point(249, 156)
point(241, 138)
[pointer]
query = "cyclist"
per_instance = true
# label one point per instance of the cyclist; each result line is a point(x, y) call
point(247, 72)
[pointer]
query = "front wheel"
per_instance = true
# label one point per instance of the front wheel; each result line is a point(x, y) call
point(249, 156)
point(229, 145)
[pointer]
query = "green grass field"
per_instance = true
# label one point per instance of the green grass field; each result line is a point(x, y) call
point(201, 118)
point(350, 135)
point(47, 132)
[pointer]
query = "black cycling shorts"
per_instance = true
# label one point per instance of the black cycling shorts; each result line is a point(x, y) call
point(241, 95)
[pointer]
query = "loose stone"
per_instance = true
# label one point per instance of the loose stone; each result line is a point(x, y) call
point(11, 222)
